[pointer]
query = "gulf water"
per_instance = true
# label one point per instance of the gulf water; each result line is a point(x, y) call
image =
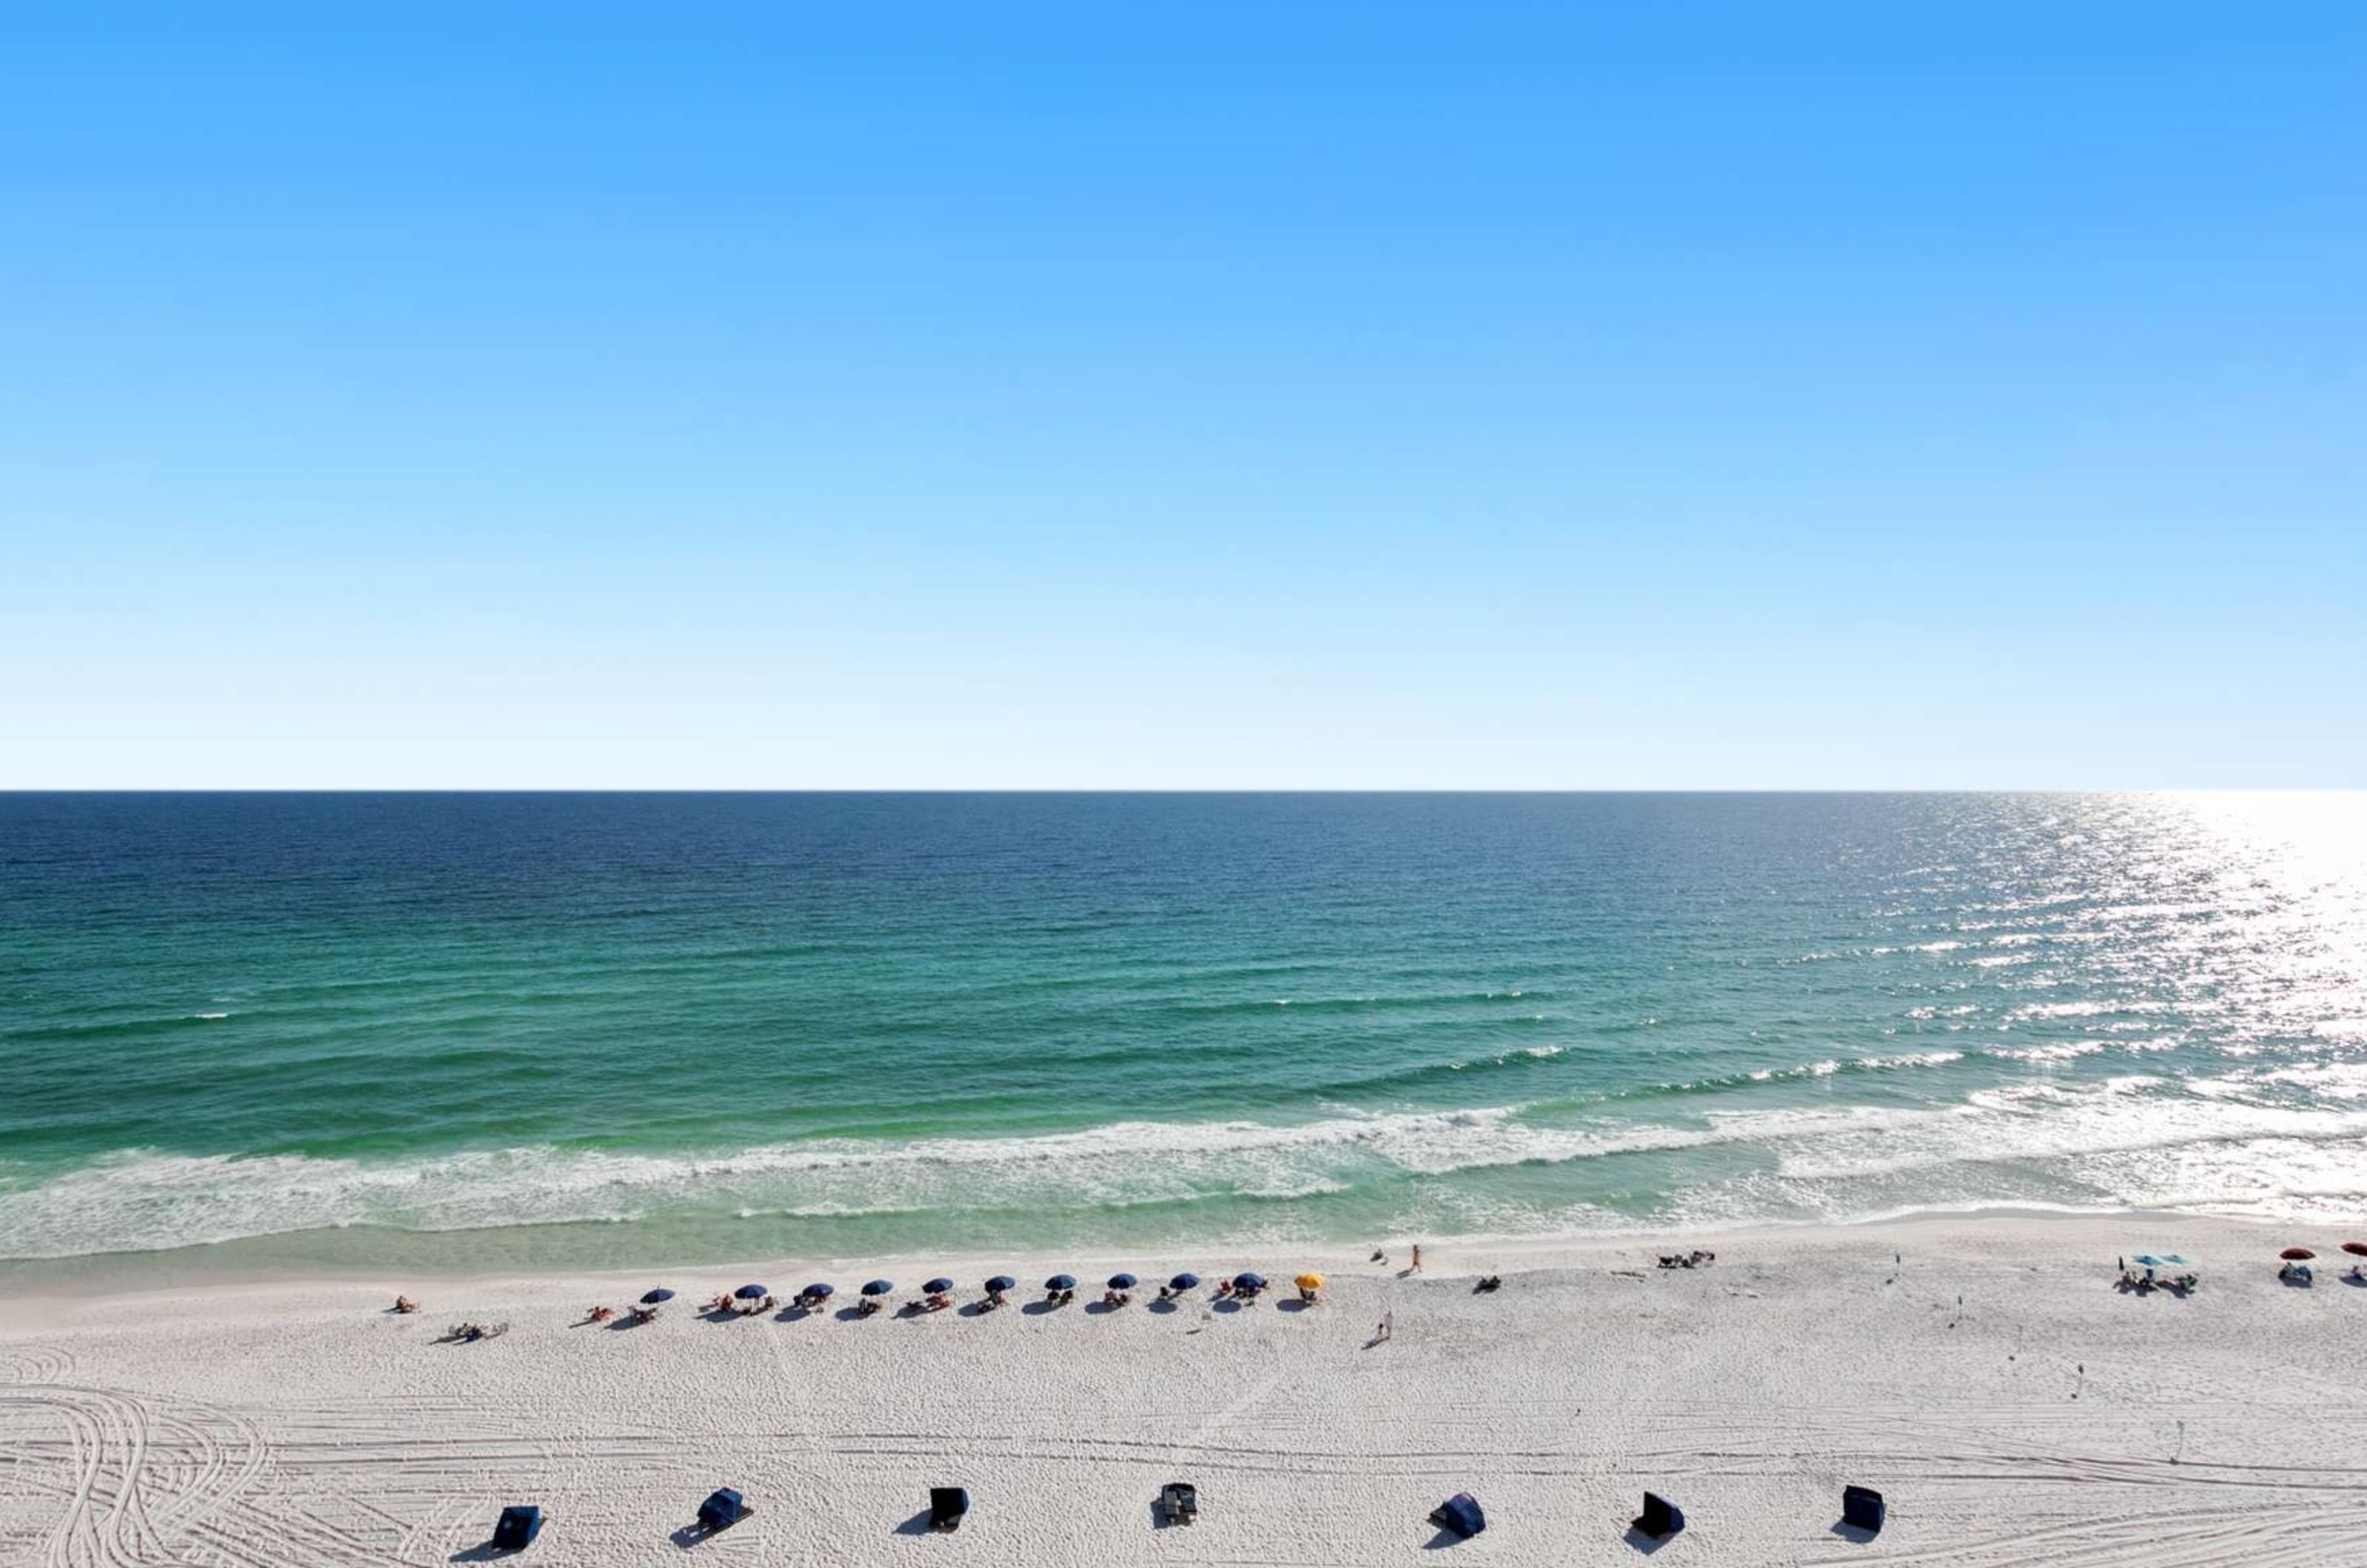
point(592, 1029)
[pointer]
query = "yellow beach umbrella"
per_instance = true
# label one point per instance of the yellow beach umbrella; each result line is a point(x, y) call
point(1310, 1282)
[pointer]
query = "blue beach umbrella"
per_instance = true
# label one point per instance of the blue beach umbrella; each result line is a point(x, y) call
point(879, 1287)
point(1183, 1282)
point(937, 1287)
point(1249, 1281)
point(1061, 1282)
point(1121, 1282)
point(655, 1297)
point(1002, 1282)
point(752, 1292)
point(822, 1293)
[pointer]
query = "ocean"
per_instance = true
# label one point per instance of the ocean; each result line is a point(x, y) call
point(601, 1030)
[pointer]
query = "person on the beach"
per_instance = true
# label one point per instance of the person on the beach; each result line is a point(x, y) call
point(1417, 1257)
point(405, 1305)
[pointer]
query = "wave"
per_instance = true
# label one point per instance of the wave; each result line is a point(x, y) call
point(2136, 1139)
point(144, 1199)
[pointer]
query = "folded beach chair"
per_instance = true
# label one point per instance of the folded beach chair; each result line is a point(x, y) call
point(723, 1508)
point(1659, 1518)
point(947, 1506)
point(1460, 1515)
point(1862, 1508)
point(515, 1529)
point(1178, 1503)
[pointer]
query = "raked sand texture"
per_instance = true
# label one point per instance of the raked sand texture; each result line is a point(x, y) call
point(266, 1425)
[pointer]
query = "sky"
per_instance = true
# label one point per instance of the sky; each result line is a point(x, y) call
point(1104, 397)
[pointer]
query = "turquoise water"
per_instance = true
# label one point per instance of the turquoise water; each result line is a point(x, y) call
point(854, 1025)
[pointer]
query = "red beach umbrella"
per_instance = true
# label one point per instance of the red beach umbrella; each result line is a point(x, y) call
point(2356, 1248)
point(2297, 1253)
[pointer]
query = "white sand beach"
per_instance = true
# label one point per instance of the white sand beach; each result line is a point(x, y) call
point(2048, 1419)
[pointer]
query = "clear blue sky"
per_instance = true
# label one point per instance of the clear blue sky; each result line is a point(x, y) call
point(1676, 396)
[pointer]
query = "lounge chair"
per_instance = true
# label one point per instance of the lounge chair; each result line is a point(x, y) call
point(1660, 1518)
point(1179, 1502)
point(723, 1508)
point(947, 1506)
point(515, 1529)
point(1460, 1516)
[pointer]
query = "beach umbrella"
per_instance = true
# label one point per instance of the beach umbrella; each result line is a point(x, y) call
point(1310, 1282)
point(1002, 1282)
point(655, 1297)
point(822, 1293)
point(2356, 1248)
point(879, 1287)
point(937, 1287)
point(2297, 1253)
point(752, 1292)
point(1061, 1282)
point(2148, 1260)
point(1183, 1282)
point(1249, 1281)
point(1121, 1282)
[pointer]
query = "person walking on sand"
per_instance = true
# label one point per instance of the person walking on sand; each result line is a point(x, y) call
point(1417, 1257)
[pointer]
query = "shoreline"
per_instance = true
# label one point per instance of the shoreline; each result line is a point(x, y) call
point(230, 1265)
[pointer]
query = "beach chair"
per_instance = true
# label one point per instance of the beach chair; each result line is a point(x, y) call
point(1862, 1509)
point(1459, 1516)
point(1660, 1518)
point(723, 1508)
point(1179, 1504)
point(515, 1529)
point(947, 1506)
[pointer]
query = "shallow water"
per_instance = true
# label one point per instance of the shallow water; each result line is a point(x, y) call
point(692, 1026)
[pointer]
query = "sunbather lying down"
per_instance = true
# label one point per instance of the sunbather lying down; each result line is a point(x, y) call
point(1687, 1260)
point(470, 1332)
point(405, 1305)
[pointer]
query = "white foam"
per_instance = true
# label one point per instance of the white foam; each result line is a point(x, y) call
point(2136, 1137)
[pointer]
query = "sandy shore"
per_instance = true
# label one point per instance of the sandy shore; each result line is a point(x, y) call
point(2046, 1419)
